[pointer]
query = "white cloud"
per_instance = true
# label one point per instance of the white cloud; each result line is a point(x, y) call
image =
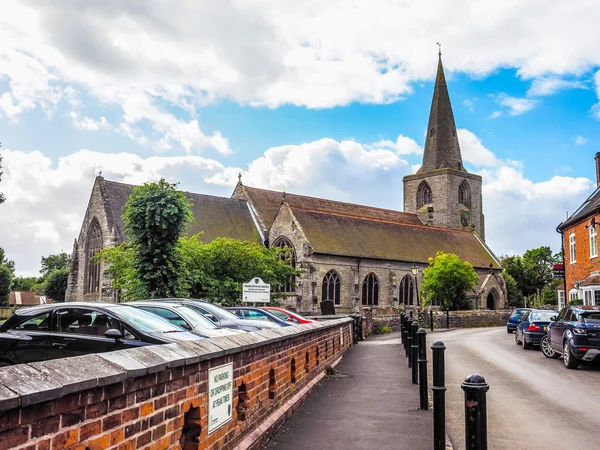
point(552, 84)
point(469, 104)
point(515, 105)
point(473, 151)
point(87, 123)
point(580, 140)
point(495, 114)
point(403, 146)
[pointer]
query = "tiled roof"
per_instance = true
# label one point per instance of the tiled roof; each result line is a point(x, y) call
point(586, 209)
point(215, 216)
point(268, 202)
point(345, 235)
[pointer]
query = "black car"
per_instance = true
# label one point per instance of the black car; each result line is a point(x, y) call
point(253, 313)
point(575, 334)
point(218, 315)
point(69, 329)
point(532, 327)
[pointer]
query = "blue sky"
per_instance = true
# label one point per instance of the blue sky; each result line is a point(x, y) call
point(327, 99)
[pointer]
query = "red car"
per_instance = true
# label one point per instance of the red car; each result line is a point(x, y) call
point(284, 314)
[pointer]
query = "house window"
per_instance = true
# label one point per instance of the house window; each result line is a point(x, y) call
point(93, 246)
point(593, 242)
point(407, 290)
point(597, 298)
point(424, 196)
point(464, 194)
point(587, 298)
point(331, 287)
point(572, 248)
point(288, 255)
point(561, 299)
point(370, 290)
point(573, 294)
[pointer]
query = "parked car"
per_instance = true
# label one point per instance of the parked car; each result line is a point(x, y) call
point(286, 315)
point(575, 334)
point(532, 327)
point(60, 330)
point(186, 318)
point(219, 316)
point(253, 313)
point(515, 319)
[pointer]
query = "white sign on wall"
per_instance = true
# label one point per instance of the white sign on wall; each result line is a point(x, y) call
point(256, 291)
point(220, 392)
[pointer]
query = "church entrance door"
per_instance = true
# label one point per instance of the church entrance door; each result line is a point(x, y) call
point(491, 301)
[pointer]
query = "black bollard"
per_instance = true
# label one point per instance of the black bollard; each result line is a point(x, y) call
point(422, 345)
point(475, 389)
point(402, 328)
point(409, 341)
point(415, 353)
point(431, 319)
point(405, 333)
point(439, 396)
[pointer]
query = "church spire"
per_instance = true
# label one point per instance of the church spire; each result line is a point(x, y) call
point(441, 145)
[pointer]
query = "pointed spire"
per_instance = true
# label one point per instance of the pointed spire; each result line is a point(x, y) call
point(441, 145)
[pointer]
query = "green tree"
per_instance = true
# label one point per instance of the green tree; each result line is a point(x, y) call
point(24, 283)
point(515, 296)
point(5, 280)
point(55, 284)
point(51, 263)
point(120, 264)
point(446, 281)
point(217, 270)
point(155, 217)
point(4, 261)
point(538, 262)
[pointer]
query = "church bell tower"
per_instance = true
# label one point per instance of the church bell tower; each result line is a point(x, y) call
point(442, 193)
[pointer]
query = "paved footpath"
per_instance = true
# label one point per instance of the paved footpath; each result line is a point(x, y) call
point(371, 404)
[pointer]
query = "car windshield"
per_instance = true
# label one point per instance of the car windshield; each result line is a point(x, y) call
point(519, 312)
point(542, 316)
point(280, 314)
point(196, 318)
point(143, 320)
point(218, 311)
point(591, 317)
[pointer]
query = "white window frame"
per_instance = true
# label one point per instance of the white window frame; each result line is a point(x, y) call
point(572, 249)
point(573, 294)
point(587, 297)
point(593, 242)
point(561, 298)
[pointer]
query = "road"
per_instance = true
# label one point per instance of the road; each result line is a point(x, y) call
point(533, 402)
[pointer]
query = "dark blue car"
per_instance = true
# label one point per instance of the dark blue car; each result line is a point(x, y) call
point(249, 312)
point(515, 319)
point(575, 334)
point(532, 327)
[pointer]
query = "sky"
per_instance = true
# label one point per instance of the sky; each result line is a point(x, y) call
point(328, 99)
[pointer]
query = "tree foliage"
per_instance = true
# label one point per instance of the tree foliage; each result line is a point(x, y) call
point(532, 272)
point(5, 280)
point(24, 283)
point(515, 296)
point(4, 261)
point(155, 217)
point(55, 285)
point(51, 263)
point(447, 280)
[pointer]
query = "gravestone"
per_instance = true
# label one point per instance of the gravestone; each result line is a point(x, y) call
point(327, 308)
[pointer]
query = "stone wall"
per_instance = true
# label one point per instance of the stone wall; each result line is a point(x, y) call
point(457, 319)
point(157, 397)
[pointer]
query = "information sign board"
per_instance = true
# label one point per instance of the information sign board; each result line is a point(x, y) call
point(220, 393)
point(256, 291)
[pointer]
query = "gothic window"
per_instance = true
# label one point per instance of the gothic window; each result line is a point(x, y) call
point(289, 256)
point(407, 290)
point(93, 246)
point(331, 287)
point(464, 194)
point(370, 290)
point(423, 195)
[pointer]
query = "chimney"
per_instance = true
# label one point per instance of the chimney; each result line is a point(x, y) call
point(430, 212)
point(597, 158)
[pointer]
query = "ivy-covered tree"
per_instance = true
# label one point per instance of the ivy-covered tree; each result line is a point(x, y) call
point(447, 280)
point(155, 217)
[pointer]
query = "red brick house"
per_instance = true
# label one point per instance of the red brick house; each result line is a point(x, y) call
point(580, 247)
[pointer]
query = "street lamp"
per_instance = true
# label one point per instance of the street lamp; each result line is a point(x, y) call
point(415, 271)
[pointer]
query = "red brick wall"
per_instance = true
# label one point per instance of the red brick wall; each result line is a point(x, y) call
point(146, 408)
point(584, 265)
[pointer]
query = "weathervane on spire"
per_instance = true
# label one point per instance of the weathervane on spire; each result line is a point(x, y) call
point(100, 174)
point(440, 47)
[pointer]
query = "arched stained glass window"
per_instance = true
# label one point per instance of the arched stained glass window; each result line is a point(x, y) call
point(331, 287)
point(288, 256)
point(93, 246)
point(370, 290)
point(407, 290)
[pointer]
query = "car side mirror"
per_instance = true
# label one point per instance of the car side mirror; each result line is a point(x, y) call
point(113, 333)
point(553, 318)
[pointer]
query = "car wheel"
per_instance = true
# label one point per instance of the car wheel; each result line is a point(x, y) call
point(508, 330)
point(526, 345)
point(569, 359)
point(517, 341)
point(547, 349)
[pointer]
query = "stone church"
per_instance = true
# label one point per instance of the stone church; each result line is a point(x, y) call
point(355, 255)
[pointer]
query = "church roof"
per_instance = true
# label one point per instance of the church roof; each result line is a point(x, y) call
point(442, 150)
point(346, 235)
point(215, 216)
point(267, 204)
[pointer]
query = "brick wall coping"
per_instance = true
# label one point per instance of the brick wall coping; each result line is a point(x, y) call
point(27, 384)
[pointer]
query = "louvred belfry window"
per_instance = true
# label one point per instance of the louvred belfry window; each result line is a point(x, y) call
point(424, 196)
point(288, 256)
point(370, 290)
point(93, 246)
point(464, 194)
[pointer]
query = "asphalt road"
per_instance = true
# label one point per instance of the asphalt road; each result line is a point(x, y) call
point(533, 402)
